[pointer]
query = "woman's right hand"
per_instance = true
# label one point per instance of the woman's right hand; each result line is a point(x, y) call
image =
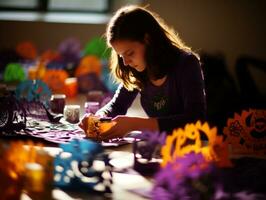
point(84, 122)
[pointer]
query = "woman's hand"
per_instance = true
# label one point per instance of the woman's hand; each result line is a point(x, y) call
point(84, 122)
point(124, 124)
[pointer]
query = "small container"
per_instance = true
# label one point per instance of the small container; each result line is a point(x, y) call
point(91, 107)
point(58, 102)
point(71, 113)
point(71, 87)
point(34, 177)
point(95, 95)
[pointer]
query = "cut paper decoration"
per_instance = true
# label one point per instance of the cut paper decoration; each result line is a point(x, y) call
point(55, 79)
point(36, 71)
point(14, 73)
point(187, 140)
point(59, 133)
point(37, 110)
point(55, 64)
point(93, 126)
point(97, 46)
point(26, 50)
point(34, 90)
point(13, 115)
point(146, 149)
point(193, 177)
point(83, 166)
point(70, 50)
point(89, 64)
point(246, 133)
point(187, 177)
point(49, 55)
point(17, 171)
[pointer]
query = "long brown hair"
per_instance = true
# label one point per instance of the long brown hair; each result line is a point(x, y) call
point(136, 23)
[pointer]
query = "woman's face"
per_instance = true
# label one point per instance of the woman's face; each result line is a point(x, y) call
point(132, 53)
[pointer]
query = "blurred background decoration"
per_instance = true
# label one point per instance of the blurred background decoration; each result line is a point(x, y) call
point(62, 43)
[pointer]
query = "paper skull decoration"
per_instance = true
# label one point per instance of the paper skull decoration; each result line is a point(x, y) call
point(187, 140)
point(246, 133)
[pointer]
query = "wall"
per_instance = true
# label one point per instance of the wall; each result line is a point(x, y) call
point(46, 35)
point(234, 27)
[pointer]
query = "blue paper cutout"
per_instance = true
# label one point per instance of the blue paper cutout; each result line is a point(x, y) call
point(75, 167)
point(34, 90)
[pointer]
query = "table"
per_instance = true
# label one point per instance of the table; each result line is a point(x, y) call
point(122, 159)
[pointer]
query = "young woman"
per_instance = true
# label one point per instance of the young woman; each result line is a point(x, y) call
point(149, 58)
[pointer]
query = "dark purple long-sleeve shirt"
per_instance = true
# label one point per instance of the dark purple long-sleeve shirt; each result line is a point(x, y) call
point(179, 100)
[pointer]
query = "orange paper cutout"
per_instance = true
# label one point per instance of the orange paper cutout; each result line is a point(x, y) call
point(55, 79)
point(247, 133)
point(26, 50)
point(89, 64)
point(187, 140)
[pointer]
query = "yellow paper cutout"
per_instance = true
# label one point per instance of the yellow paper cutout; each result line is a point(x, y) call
point(16, 156)
point(187, 140)
point(246, 133)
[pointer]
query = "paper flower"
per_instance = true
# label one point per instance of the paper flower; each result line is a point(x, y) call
point(146, 151)
point(89, 64)
point(49, 55)
point(26, 50)
point(187, 140)
point(70, 50)
point(97, 46)
point(187, 177)
point(14, 73)
point(55, 79)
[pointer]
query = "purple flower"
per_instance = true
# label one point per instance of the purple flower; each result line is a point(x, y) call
point(152, 137)
point(150, 144)
point(186, 178)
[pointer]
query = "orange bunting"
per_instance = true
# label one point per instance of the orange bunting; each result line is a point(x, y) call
point(246, 133)
point(188, 140)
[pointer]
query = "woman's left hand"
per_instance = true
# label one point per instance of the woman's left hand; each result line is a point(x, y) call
point(123, 125)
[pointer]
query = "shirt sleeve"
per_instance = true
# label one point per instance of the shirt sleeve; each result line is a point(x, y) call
point(193, 96)
point(120, 102)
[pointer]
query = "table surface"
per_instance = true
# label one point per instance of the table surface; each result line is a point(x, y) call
point(122, 159)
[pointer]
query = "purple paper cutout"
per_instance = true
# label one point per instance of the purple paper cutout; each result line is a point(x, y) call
point(146, 150)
